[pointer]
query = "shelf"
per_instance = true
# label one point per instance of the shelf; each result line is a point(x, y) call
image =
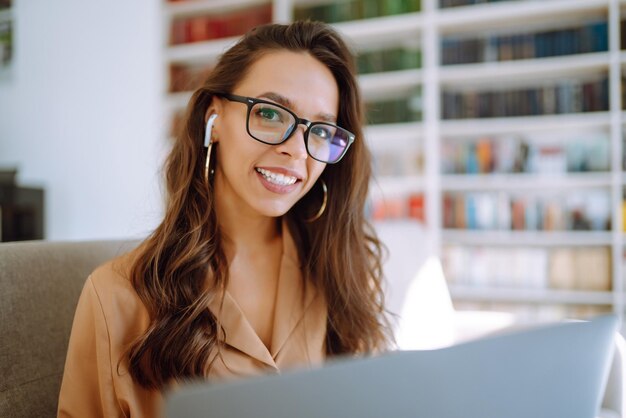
point(206, 51)
point(381, 31)
point(526, 15)
point(388, 186)
point(467, 182)
point(518, 72)
point(379, 136)
point(531, 238)
point(540, 296)
point(425, 31)
point(389, 84)
point(524, 124)
point(195, 7)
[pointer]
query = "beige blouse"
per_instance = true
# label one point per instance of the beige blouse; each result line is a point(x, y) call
point(110, 315)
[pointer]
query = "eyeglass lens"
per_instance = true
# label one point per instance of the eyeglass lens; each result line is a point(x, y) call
point(272, 124)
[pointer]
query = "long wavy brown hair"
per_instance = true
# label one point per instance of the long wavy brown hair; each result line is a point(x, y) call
point(181, 266)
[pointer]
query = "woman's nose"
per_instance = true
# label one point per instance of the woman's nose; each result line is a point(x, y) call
point(295, 146)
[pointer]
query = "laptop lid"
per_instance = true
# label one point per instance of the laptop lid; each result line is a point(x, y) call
point(551, 371)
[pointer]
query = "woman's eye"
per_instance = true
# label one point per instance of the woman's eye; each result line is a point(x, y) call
point(321, 133)
point(269, 114)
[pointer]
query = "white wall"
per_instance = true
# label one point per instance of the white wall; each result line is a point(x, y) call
point(81, 114)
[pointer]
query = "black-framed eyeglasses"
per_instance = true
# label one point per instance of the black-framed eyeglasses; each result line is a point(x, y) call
point(273, 124)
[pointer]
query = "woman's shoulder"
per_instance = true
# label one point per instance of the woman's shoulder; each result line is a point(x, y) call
point(114, 275)
point(111, 283)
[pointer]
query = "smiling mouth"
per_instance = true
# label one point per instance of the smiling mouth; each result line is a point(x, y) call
point(277, 178)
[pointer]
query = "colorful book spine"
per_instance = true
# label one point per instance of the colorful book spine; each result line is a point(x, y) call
point(587, 38)
point(537, 212)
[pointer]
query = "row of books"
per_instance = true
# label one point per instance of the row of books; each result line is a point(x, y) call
point(340, 11)
point(566, 96)
point(403, 109)
point(204, 28)
point(505, 211)
point(389, 59)
point(188, 77)
point(409, 206)
point(591, 37)
point(454, 3)
point(515, 154)
point(562, 268)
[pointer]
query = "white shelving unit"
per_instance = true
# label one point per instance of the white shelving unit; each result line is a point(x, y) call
point(429, 27)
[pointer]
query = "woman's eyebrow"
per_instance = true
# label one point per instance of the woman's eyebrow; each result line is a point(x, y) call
point(284, 101)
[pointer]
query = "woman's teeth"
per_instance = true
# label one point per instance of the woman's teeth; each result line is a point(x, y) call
point(277, 178)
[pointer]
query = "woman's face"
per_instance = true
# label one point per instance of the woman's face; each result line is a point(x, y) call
point(266, 179)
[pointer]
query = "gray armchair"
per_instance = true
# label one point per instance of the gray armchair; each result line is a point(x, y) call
point(39, 287)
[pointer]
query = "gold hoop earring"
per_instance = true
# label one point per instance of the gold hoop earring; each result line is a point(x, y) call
point(323, 207)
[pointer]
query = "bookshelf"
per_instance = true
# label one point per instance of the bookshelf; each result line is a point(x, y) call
point(571, 125)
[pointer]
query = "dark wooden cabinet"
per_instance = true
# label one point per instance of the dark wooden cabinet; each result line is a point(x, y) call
point(21, 210)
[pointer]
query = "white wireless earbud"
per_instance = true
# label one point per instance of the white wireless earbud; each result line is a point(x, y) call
point(209, 128)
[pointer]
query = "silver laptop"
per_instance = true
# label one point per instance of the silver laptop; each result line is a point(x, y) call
point(555, 371)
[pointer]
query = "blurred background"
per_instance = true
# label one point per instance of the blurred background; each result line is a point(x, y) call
point(81, 118)
point(497, 130)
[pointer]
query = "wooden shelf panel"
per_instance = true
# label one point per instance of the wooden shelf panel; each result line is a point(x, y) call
point(524, 124)
point(526, 15)
point(389, 84)
point(479, 182)
point(397, 133)
point(207, 51)
point(518, 72)
point(538, 296)
point(388, 186)
point(376, 32)
point(531, 238)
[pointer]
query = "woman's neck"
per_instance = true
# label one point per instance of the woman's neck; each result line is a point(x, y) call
point(244, 231)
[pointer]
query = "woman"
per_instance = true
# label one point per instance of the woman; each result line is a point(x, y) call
point(264, 261)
